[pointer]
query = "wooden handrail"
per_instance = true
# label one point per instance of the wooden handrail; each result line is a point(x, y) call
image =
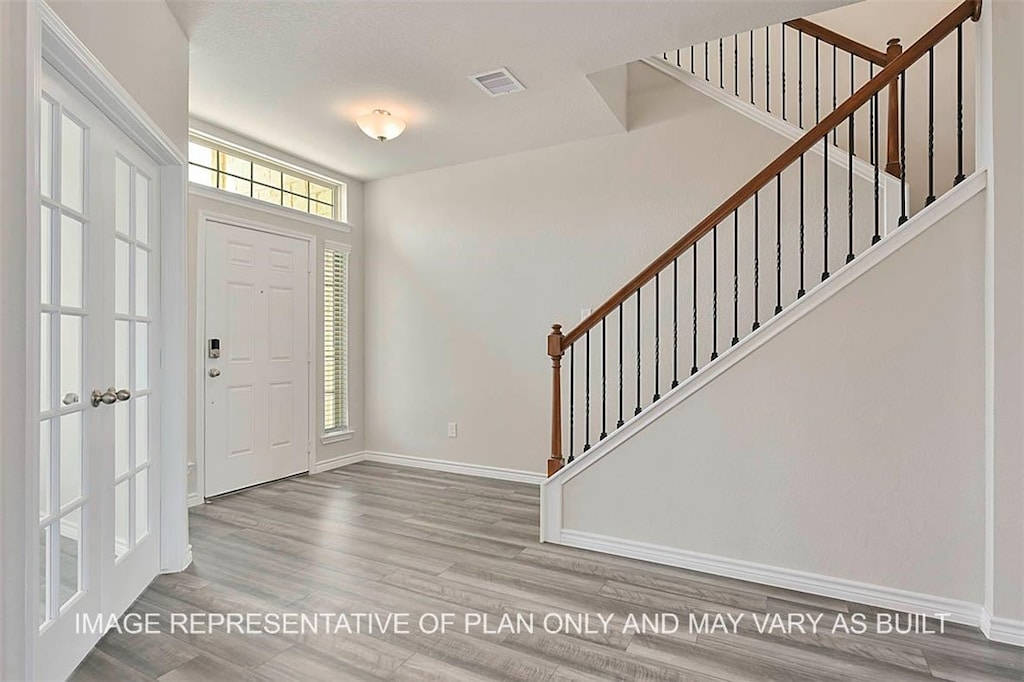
point(969, 9)
point(842, 42)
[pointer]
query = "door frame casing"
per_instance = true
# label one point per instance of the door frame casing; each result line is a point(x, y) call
point(47, 37)
point(205, 217)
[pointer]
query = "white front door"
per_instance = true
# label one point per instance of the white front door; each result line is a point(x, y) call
point(98, 427)
point(257, 387)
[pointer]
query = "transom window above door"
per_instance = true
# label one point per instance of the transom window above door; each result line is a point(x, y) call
point(216, 164)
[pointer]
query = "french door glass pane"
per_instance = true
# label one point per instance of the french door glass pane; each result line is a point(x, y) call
point(121, 443)
point(141, 208)
point(45, 255)
point(44, 575)
point(45, 363)
point(72, 164)
point(141, 282)
point(46, 148)
point(70, 356)
point(141, 430)
point(122, 274)
point(122, 197)
point(70, 527)
point(70, 457)
point(141, 504)
point(121, 518)
point(45, 428)
point(141, 356)
point(122, 354)
point(71, 262)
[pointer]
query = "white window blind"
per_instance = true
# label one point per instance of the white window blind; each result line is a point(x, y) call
point(335, 339)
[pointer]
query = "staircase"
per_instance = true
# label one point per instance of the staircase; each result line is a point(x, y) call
point(737, 406)
point(842, 187)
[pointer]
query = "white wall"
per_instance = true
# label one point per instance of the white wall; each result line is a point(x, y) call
point(143, 47)
point(354, 191)
point(849, 446)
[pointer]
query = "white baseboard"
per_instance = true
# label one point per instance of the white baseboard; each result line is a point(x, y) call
point(963, 612)
point(1002, 630)
point(499, 473)
point(335, 462)
point(194, 500)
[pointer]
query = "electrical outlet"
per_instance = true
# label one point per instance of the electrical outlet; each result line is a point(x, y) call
point(453, 430)
point(585, 313)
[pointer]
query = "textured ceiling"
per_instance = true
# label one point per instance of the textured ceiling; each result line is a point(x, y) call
point(295, 75)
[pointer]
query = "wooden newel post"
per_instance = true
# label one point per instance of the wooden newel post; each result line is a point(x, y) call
point(555, 351)
point(892, 157)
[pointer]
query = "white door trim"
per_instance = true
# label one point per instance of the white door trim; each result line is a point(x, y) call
point(199, 443)
point(46, 36)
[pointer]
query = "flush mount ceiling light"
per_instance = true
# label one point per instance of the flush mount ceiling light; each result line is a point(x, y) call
point(381, 125)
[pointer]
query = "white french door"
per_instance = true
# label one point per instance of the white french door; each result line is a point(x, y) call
point(98, 424)
point(257, 426)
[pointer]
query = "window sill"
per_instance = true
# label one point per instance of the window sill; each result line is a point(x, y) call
point(336, 437)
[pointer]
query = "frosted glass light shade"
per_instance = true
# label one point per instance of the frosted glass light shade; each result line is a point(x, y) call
point(381, 125)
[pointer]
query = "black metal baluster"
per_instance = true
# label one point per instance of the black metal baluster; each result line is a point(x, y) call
point(959, 105)
point(693, 61)
point(638, 408)
point(783, 72)
point(835, 77)
point(679, 58)
point(757, 264)
point(817, 80)
point(800, 78)
point(657, 336)
point(736, 64)
point(721, 63)
point(586, 419)
point(572, 401)
point(621, 401)
point(706, 63)
point(735, 276)
point(875, 161)
point(767, 66)
point(778, 243)
point(751, 67)
point(693, 369)
point(931, 127)
point(824, 213)
point(849, 196)
point(604, 379)
point(675, 322)
point(903, 147)
point(714, 292)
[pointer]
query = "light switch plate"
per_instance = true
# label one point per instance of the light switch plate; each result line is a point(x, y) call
point(453, 430)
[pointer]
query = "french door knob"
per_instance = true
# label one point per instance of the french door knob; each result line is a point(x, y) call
point(214, 373)
point(108, 397)
point(123, 394)
point(70, 398)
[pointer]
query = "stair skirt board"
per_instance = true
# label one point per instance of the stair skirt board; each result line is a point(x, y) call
point(499, 473)
point(815, 297)
point(962, 612)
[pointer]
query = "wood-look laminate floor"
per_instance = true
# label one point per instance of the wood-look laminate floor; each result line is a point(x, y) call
point(385, 539)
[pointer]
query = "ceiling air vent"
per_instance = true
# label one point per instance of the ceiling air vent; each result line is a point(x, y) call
point(498, 82)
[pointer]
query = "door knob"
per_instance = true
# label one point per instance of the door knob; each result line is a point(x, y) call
point(108, 397)
point(70, 398)
point(123, 394)
point(214, 373)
